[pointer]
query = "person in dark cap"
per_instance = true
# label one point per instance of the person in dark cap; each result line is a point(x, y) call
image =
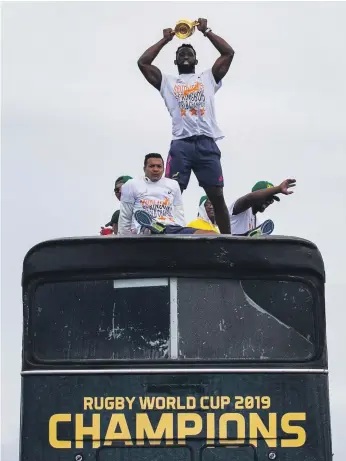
point(118, 185)
point(206, 216)
point(243, 212)
point(112, 226)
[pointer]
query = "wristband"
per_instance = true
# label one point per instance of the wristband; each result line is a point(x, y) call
point(206, 31)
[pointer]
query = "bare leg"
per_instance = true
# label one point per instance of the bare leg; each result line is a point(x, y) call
point(215, 195)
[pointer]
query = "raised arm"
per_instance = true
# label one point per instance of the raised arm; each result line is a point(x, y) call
point(260, 196)
point(222, 64)
point(152, 73)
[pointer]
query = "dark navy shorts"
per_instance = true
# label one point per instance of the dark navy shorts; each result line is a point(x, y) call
point(179, 230)
point(199, 154)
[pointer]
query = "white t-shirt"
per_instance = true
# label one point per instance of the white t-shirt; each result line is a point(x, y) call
point(242, 222)
point(162, 199)
point(189, 99)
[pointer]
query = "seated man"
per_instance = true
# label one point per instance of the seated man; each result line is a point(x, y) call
point(112, 226)
point(206, 216)
point(158, 196)
point(244, 210)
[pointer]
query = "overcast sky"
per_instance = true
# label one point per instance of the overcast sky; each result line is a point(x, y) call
point(77, 113)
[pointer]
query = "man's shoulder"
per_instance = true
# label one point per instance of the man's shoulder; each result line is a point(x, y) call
point(134, 182)
point(132, 185)
point(231, 206)
point(208, 78)
point(172, 183)
point(206, 73)
point(170, 76)
point(243, 213)
point(169, 79)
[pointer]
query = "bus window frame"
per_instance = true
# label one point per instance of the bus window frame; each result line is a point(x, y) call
point(33, 361)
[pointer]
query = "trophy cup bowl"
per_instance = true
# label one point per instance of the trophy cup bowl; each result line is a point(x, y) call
point(185, 28)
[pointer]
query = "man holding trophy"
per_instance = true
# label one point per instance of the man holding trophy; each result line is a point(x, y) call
point(189, 98)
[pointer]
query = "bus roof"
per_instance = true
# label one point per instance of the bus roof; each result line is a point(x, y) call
point(174, 254)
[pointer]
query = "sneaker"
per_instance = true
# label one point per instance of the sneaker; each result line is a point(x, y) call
point(265, 228)
point(148, 222)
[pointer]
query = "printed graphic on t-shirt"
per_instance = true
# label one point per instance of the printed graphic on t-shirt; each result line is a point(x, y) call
point(158, 209)
point(191, 98)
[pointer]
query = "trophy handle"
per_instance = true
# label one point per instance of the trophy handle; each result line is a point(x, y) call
point(193, 24)
point(188, 25)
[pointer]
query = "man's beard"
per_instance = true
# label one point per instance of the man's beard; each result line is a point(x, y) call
point(186, 69)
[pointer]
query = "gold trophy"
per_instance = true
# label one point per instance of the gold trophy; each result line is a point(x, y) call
point(185, 28)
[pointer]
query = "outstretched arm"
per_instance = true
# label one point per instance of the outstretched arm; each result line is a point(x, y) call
point(152, 73)
point(222, 64)
point(260, 196)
